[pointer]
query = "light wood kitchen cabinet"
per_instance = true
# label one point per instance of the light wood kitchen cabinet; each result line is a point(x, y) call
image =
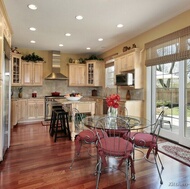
point(16, 79)
point(14, 112)
point(134, 107)
point(35, 109)
point(22, 110)
point(32, 73)
point(77, 74)
point(95, 73)
point(129, 61)
point(98, 106)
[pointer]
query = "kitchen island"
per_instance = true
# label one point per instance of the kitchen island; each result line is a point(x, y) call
point(82, 106)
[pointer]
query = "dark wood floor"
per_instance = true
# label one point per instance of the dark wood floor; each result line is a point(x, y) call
point(34, 161)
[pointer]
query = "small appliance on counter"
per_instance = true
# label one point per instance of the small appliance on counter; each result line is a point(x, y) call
point(34, 94)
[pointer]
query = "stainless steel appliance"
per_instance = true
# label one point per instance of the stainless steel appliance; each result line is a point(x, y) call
point(5, 95)
point(126, 79)
point(50, 102)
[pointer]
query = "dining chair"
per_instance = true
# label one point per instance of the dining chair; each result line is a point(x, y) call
point(112, 144)
point(84, 136)
point(149, 141)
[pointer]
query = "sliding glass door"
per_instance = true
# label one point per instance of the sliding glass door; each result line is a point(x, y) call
point(170, 92)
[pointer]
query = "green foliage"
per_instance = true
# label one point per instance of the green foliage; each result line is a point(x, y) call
point(32, 57)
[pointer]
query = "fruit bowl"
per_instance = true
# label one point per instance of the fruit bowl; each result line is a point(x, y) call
point(73, 98)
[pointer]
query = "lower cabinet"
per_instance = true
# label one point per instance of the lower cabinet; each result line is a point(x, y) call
point(35, 109)
point(99, 106)
point(22, 110)
point(14, 115)
point(134, 107)
point(26, 110)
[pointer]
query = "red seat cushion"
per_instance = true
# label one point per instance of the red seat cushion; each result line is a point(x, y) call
point(142, 139)
point(115, 146)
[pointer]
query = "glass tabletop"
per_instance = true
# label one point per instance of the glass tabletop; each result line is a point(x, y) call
point(135, 123)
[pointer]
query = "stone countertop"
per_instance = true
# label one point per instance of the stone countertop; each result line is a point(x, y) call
point(65, 101)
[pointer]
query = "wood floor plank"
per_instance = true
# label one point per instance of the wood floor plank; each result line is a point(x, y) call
point(34, 161)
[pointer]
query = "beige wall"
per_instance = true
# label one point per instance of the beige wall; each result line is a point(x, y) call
point(177, 23)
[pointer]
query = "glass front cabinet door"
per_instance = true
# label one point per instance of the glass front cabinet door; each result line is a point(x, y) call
point(16, 69)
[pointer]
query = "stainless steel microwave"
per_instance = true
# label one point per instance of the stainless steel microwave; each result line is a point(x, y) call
point(126, 79)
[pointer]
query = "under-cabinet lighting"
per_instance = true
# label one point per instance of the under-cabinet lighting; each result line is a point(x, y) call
point(32, 41)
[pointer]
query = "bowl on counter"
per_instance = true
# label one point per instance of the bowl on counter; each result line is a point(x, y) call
point(73, 98)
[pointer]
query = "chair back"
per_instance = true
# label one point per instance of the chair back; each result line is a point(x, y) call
point(113, 128)
point(78, 119)
point(157, 126)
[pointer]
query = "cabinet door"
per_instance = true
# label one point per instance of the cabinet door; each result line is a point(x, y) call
point(27, 73)
point(90, 73)
point(14, 112)
point(35, 109)
point(130, 61)
point(77, 75)
point(95, 73)
point(32, 74)
point(40, 109)
point(99, 107)
point(134, 107)
point(16, 79)
point(31, 109)
point(22, 110)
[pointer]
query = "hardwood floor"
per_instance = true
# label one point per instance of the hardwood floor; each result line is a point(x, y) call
point(34, 161)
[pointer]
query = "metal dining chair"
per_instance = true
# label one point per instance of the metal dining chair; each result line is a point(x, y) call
point(112, 144)
point(84, 136)
point(144, 140)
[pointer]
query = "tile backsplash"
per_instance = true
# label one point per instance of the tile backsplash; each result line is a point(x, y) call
point(61, 86)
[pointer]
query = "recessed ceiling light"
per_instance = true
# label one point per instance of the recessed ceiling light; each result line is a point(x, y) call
point(100, 39)
point(120, 25)
point(88, 48)
point(79, 17)
point(33, 29)
point(61, 45)
point(32, 7)
point(32, 41)
point(67, 34)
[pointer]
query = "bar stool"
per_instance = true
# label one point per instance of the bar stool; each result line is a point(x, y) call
point(59, 124)
point(52, 122)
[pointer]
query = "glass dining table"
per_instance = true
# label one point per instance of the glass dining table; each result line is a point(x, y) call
point(133, 122)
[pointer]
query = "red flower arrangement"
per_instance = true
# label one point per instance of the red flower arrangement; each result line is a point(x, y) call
point(112, 100)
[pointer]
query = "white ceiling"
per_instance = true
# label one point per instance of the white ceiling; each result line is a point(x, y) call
point(54, 18)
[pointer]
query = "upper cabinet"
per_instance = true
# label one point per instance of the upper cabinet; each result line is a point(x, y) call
point(90, 74)
point(32, 73)
point(77, 74)
point(16, 69)
point(95, 73)
point(129, 61)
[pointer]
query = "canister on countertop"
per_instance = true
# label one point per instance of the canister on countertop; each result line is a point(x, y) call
point(34, 94)
point(94, 92)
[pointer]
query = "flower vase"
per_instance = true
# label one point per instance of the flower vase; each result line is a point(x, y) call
point(112, 112)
